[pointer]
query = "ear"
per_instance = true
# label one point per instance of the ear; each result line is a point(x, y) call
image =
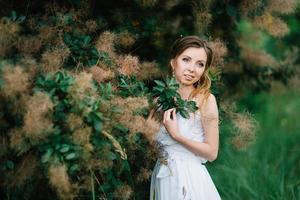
point(172, 63)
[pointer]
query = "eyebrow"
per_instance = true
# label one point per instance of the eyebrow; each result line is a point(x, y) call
point(197, 60)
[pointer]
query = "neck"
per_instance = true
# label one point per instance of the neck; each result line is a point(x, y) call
point(185, 91)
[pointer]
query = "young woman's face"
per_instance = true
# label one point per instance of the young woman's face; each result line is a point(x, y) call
point(189, 65)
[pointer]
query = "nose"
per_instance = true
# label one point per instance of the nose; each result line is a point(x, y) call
point(191, 67)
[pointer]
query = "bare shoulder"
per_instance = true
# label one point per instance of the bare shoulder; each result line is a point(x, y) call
point(209, 105)
point(211, 100)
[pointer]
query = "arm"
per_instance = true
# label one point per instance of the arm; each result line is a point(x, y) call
point(209, 147)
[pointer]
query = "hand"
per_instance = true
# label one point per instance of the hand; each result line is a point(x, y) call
point(170, 122)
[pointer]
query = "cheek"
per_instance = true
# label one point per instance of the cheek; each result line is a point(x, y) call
point(178, 72)
point(181, 66)
point(200, 72)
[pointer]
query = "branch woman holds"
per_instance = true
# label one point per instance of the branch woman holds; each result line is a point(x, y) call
point(186, 144)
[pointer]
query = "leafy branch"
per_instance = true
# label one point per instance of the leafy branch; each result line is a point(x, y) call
point(168, 97)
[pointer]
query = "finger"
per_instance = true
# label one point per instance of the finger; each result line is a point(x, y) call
point(169, 110)
point(168, 113)
point(174, 114)
point(165, 116)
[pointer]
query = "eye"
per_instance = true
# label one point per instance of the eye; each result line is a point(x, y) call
point(200, 64)
point(185, 59)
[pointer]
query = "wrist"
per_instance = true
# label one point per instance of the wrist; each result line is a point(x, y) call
point(176, 137)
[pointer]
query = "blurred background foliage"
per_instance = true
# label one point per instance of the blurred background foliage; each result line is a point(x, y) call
point(75, 88)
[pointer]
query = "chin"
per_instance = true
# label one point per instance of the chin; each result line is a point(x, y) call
point(187, 83)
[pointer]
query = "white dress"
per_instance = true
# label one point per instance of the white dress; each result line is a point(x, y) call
point(180, 174)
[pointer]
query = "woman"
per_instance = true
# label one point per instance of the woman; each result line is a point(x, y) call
point(186, 144)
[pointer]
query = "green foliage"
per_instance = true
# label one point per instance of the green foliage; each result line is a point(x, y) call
point(95, 119)
point(15, 18)
point(130, 86)
point(57, 85)
point(168, 97)
point(105, 90)
point(104, 58)
point(83, 53)
point(7, 165)
point(60, 147)
point(246, 29)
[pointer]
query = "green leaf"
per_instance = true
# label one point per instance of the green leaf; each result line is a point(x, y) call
point(9, 164)
point(160, 83)
point(65, 148)
point(70, 156)
point(21, 19)
point(86, 40)
point(184, 114)
point(177, 95)
point(169, 94)
point(173, 82)
point(99, 115)
point(121, 128)
point(14, 15)
point(98, 125)
point(112, 156)
point(159, 89)
point(46, 156)
point(231, 11)
point(74, 167)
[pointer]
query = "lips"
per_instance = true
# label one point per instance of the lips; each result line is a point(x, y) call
point(189, 77)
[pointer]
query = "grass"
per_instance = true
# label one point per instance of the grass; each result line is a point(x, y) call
point(270, 168)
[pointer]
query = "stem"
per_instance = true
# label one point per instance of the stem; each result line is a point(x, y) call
point(93, 187)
